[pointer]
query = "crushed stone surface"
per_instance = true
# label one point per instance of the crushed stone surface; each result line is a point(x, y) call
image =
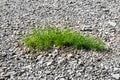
point(101, 18)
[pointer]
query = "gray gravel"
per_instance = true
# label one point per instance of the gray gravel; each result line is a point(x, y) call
point(98, 17)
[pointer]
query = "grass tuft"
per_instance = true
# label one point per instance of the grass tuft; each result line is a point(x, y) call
point(43, 39)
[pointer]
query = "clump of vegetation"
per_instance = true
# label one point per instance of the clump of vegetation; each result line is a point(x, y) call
point(43, 39)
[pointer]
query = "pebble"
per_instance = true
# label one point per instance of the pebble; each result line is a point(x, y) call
point(116, 76)
point(69, 56)
point(112, 23)
point(27, 67)
point(39, 57)
point(116, 69)
point(87, 28)
point(49, 63)
point(62, 79)
point(62, 60)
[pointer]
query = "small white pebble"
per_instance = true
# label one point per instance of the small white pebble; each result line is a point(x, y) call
point(112, 23)
point(115, 69)
point(69, 56)
point(55, 51)
point(49, 63)
point(39, 57)
point(101, 65)
point(27, 67)
point(61, 79)
point(116, 76)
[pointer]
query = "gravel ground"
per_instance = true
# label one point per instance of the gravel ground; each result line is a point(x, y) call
point(98, 17)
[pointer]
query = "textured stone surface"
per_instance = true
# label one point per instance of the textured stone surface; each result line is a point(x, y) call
point(100, 18)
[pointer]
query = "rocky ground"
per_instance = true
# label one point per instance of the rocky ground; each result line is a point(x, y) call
point(98, 17)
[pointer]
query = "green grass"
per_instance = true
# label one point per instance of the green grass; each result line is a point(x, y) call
point(44, 39)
